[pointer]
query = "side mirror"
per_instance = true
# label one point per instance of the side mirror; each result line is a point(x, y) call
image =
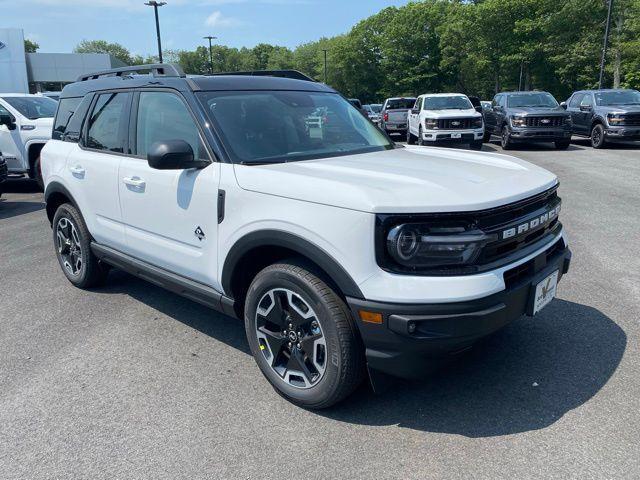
point(563, 105)
point(8, 120)
point(173, 155)
point(585, 108)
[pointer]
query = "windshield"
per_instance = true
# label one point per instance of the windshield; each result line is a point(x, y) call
point(625, 97)
point(457, 102)
point(33, 107)
point(534, 99)
point(400, 103)
point(286, 126)
point(375, 108)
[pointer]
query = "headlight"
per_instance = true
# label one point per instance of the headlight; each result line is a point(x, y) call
point(426, 246)
point(477, 122)
point(430, 123)
point(615, 119)
point(518, 121)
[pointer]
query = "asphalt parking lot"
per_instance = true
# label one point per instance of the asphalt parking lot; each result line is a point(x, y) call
point(130, 381)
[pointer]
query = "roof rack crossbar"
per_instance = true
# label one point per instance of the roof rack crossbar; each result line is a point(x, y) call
point(156, 69)
point(294, 74)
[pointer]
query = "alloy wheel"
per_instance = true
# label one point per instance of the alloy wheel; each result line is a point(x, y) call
point(68, 246)
point(290, 337)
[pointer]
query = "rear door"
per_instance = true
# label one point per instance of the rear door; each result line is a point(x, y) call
point(170, 216)
point(92, 166)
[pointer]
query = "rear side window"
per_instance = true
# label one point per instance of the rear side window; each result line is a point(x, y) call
point(66, 107)
point(164, 116)
point(107, 122)
point(400, 103)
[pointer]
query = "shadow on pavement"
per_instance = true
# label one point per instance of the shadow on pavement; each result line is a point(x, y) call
point(569, 352)
point(9, 208)
point(20, 185)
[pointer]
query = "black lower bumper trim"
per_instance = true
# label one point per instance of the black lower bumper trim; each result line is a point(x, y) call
point(414, 339)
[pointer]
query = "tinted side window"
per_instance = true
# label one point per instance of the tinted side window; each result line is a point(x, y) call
point(586, 101)
point(74, 127)
point(66, 107)
point(575, 100)
point(419, 104)
point(496, 101)
point(164, 116)
point(106, 122)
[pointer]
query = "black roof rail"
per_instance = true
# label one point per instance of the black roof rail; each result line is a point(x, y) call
point(293, 74)
point(156, 69)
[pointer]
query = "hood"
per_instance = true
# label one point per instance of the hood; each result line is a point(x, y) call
point(402, 180)
point(537, 111)
point(620, 109)
point(457, 113)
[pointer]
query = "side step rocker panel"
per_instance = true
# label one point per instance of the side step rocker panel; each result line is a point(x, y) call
point(173, 282)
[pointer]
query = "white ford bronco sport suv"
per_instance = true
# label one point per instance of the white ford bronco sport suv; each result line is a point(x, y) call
point(25, 126)
point(445, 118)
point(343, 253)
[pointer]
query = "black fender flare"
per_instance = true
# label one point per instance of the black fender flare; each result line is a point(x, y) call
point(278, 238)
point(50, 191)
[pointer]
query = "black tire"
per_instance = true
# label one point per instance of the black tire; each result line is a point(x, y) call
point(37, 173)
point(597, 136)
point(505, 139)
point(420, 138)
point(562, 144)
point(91, 272)
point(411, 138)
point(487, 136)
point(476, 145)
point(343, 352)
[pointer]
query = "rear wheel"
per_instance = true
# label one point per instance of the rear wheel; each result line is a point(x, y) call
point(72, 243)
point(37, 173)
point(505, 139)
point(302, 336)
point(597, 136)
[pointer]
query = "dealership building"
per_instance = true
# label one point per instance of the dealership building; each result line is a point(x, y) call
point(22, 72)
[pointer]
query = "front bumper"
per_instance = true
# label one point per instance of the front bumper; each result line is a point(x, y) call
point(453, 136)
point(529, 134)
point(623, 133)
point(413, 339)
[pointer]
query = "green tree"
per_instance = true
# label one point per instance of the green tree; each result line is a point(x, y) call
point(30, 46)
point(102, 46)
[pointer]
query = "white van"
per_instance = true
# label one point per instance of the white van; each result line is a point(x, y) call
point(26, 122)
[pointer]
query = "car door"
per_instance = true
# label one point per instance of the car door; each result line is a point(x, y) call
point(92, 166)
point(490, 114)
point(585, 114)
point(573, 107)
point(10, 142)
point(170, 216)
point(414, 116)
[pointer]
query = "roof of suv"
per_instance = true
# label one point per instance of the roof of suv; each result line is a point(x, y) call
point(128, 78)
point(606, 90)
point(523, 92)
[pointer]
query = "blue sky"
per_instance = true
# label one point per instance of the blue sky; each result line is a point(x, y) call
point(58, 25)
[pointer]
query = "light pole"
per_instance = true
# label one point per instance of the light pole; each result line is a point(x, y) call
point(606, 43)
point(155, 5)
point(209, 37)
point(325, 64)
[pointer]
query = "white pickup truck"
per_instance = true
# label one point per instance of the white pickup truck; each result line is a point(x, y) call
point(26, 122)
point(445, 117)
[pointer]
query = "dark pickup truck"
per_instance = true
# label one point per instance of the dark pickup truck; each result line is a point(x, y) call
point(604, 115)
point(519, 117)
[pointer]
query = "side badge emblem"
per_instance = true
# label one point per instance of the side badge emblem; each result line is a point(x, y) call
point(200, 234)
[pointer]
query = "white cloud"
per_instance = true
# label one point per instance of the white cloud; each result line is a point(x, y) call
point(216, 19)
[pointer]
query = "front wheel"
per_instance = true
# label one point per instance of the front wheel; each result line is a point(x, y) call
point(487, 136)
point(302, 336)
point(72, 243)
point(421, 141)
point(597, 136)
point(562, 144)
point(37, 173)
point(476, 145)
point(505, 139)
point(411, 138)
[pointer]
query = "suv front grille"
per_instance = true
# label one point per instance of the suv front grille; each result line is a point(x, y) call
point(455, 123)
point(544, 121)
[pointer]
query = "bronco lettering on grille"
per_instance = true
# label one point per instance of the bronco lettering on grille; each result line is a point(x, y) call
point(531, 224)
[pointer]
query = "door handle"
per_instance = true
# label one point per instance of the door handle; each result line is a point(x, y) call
point(135, 182)
point(77, 171)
